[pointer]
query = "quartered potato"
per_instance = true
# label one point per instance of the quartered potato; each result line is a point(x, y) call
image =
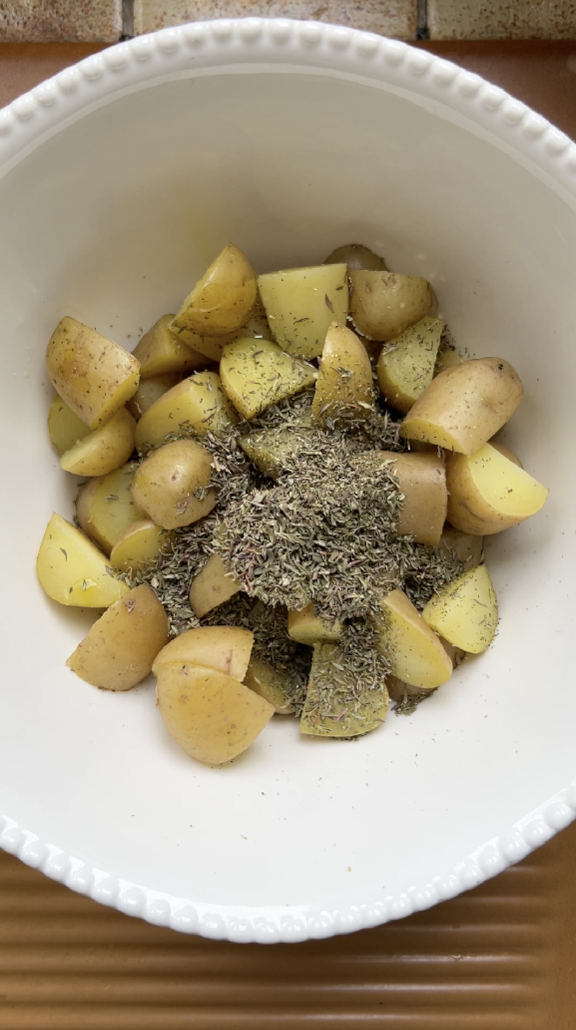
point(337, 705)
point(118, 651)
point(384, 304)
point(344, 383)
point(301, 303)
point(273, 450)
point(197, 403)
point(466, 611)
point(256, 326)
point(225, 649)
point(257, 374)
point(73, 571)
point(447, 358)
point(104, 449)
point(422, 481)
point(490, 492)
point(160, 352)
point(149, 391)
point(141, 543)
point(465, 405)
point(307, 628)
point(211, 587)
point(274, 685)
point(355, 256)
point(406, 364)
point(65, 428)
point(463, 546)
point(221, 300)
point(105, 509)
point(91, 373)
point(415, 652)
point(171, 485)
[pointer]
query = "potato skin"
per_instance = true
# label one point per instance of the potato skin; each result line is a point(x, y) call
point(422, 480)
point(119, 649)
point(91, 373)
point(465, 405)
point(199, 402)
point(165, 485)
point(355, 256)
point(225, 649)
point(160, 352)
point(221, 300)
point(149, 391)
point(211, 587)
point(104, 449)
point(384, 304)
point(104, 507)
point(140, 544)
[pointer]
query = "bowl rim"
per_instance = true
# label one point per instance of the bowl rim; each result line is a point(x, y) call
point(315, 47)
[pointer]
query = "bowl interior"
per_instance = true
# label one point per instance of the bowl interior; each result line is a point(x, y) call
point(112, 220)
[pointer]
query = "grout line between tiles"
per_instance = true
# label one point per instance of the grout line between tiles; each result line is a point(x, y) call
point(422, 31)
point(127, 19)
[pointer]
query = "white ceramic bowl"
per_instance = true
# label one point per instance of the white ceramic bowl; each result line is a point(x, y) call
point(120, 179)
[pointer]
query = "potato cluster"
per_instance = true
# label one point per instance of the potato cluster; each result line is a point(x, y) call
point(134, 427)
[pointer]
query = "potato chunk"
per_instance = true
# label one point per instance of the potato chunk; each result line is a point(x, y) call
point(211, 587)
point(422, 481)
point(140, 544)
point(336, 704)
point(149, 391)
point(221, 300)
point(161, 352)
point(406, 364)
point(73, 571)
point(489, 492)
point(257, 374)
point(307, 628)
point(92, 374)
point(301, 303)
point(197, 403)
point(344, 383)
point(465, 405)
point(274, 685)
point(65, 428)
point(466, 611)
point(415, 652)
point(463, 546)
point(384, 304)
point(104, 449)
point(105, 509)
point(118, 651)
point(225, 649)
point(211, 716)
point(355, 256)
point(166, 485)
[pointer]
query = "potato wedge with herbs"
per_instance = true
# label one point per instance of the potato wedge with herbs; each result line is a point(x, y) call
point(197, 403)
point(171, 485)
point(160, 352)
point(465, 547)
point(274, 450)
point(91, 373)
point(447, 358)
point(221, 300)
point(384, 304)
point(415, 652)
point(104, 507)
point(466, 611)
point(422, 482)
point(118, 651)
point(307, 628)
point(149, 391)
point(489, 492)
point(104, 449)
point(356, 256)
point(225, 649)
point(212, 717)
point(73, 571)
point(140, 544)
point(274, 685)
point(211, 587)
point(65, 428)
point(256, 326)
point(344, 383)
point(465, 405)
point(406, 364)
point(301, 303)
point(257, 374)
point(337, 704)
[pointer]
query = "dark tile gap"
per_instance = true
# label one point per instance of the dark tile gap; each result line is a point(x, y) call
point(127, 19)
point(422, 31)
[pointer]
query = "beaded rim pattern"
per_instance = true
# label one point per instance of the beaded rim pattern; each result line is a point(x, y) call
point(317, 48)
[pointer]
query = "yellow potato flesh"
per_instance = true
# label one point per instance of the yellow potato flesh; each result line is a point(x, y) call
point(210, 716)
point(149, 391)
point(257, 374)
point(384, 304)
point(344, 383)
point(271, 684)
point(140, 545)
point(489, 492)
point(256, 326)
point(447, 358)
point(167, 482)
point(211, 587)
point(118, 651)
point(307, 628)
point(465, 405)
point(466, 611)
point(65, 428)
point(73, 571)
point(355, 256)
point(104, 507)
point(161, 352)
point(92, 374)
point(406, 365)
point(346, 709)
point(198, 402)
point(222, 300)
point(415, 652)
point(104, 449)
point(422, 482)
point(225, 649)
point(301, 303)
point(465, 547)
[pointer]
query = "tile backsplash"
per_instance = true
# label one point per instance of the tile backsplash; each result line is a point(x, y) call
point(108, 21)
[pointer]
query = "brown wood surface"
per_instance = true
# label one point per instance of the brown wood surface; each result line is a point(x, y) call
point(502, 957)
